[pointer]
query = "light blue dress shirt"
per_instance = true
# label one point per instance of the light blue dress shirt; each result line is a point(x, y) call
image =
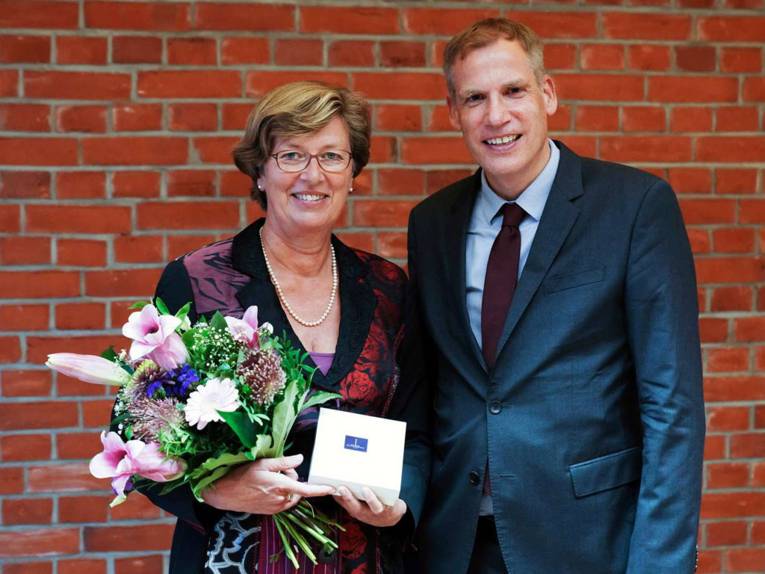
point(483, 229)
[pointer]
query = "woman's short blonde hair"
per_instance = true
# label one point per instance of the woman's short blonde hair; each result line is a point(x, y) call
point(296, 109)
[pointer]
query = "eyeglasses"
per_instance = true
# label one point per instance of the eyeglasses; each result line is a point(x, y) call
point(333, 161)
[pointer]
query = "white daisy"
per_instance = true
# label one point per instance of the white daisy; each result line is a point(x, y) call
point(204, 403)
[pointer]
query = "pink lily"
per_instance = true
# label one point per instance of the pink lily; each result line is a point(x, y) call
point(88, 368)
point(246, 328)
point(154, 337)
point(121, 460)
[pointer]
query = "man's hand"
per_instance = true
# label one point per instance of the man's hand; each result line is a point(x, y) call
point(370, 510)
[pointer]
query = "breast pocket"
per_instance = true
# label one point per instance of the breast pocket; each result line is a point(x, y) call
point(570, 280)
point(606, 472)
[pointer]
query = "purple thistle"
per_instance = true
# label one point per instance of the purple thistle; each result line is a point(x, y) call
point(174, 383)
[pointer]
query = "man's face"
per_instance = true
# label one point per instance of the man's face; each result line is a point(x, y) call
point(502, 113)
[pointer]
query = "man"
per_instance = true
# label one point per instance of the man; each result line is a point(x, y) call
point(568, 419)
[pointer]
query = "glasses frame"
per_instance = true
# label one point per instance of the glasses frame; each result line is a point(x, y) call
point(312, 156)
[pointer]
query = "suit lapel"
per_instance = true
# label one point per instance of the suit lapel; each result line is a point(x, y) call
point(557, 220)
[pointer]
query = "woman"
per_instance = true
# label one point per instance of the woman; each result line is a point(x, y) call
point(304, 144)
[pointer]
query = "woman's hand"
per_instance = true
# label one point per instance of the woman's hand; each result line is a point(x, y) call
point(370, 510)
point(265, 486)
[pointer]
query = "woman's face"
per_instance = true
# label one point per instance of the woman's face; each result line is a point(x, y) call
point(311, 199)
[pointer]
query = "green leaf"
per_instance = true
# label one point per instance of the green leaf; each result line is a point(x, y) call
point(218, 321)
point(262, 445)
point(319, 398)
point(138, 305)
point(241, 424)
point(198, 487)
point(283, 419)
point(212, 463)
point(109, 354)
point(183, 311)
point(161, 307)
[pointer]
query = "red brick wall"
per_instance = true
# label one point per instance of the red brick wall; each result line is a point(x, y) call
point(117, 119)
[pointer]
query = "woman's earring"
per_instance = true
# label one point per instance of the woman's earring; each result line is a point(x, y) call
point(350, 189)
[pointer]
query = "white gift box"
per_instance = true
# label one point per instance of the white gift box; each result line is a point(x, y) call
point(356, 450)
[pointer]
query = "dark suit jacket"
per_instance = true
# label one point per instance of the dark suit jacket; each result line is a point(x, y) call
point(231, 275)
point(592, 420)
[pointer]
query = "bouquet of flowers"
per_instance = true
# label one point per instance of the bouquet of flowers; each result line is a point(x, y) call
point(197, 400)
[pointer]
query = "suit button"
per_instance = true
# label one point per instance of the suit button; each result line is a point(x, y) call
point(495, 407)
point(475, 478)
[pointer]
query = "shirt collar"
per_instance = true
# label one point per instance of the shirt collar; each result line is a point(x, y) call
point(532, 199)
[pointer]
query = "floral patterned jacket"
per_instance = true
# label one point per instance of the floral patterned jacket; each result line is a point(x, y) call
point(229, 276)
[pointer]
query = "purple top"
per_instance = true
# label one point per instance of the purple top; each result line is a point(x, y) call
point(323, 361)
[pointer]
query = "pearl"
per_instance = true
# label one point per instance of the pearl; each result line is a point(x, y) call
point(282, 298)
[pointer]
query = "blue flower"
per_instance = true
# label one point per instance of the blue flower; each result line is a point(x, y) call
point(174, 383)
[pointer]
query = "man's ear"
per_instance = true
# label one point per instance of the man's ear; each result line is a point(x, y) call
point(454, 114)
point(550, 95)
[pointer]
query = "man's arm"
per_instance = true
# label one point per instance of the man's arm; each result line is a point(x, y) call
point(662, 323)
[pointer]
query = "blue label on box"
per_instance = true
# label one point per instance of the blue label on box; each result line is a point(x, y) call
point(356, 443)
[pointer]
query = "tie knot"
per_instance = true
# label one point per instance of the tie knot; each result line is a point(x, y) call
point(512, 215)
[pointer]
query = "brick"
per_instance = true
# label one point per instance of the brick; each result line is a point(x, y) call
point(734, 389)
point(442, 21)
point(24, 184)
point(16, 416)
point(398, 118)
point(710, 561)
point(9, 218)
point(704, 211)
point(27, 511)
point(69, 477)
point(560, 57)
point(646, 26)
point(400, 182)
point(34, 284)
point(759, 410)
point(602, 57)
point(691, 119)
point(737, 119)
point(732, 505)
point(178, 245)
point(38, 151)
point(28, 568)
point(78, 218)
point(727, 360)
point(754, 89)
point(738, 181)
point(363, 241)
point(597, 118)
point(82, 566)
point(690, 180)
point(136, 50)
point(46, 541)
point(746, 560)
point(11, 480)
point(135, 150)
point(193, 183)
point(154, 16)
point(136, 282)
point(214, 149)
point(692, 89)
point(69, 387)
point(722, 419)
point(24, 49)
point(81, 119)
point(138, 565)
point(730, 270)
point(228, 16)
point(26, 383)
point(758, 477)
point(10, 350)
point(696, 58)
point(189, 84)
point(136, 184)
point(195, 117)
point(138, 249)
point(82, 252)
point(752, 211)
point(127, 538)
point(730, 149)
point(36, 14)
point(80, 184)
point(439, 119)
point(402, 54)
point(558, 24)
point(735, 59)
point(260, 82)
point(727, 533)
point(435, 150)
point(244, 51)
point(188, 215)
point(80, 316)
point(732, 28)
point(81, 50)
point(25, 117)
point(437, 179)
point(299, 52)
point(84, 508)
point(758, 532)
point(138, 508)
point(192, 51)
point(24, 251)
point(733, 298)
point(378, 213)
point(645, 148)
point(137, 117)
point(235, 184)
point(235, 116)
point(24, 317)
point(392, 245)
point(649, 57)
point(749, 329)
point(80, 445)
point(601, 87)
point(699, 239)
point(9, 83)
point(76, 85)
point(25, 447)
point(349, 20)
point(353, 53)
point(733, 240)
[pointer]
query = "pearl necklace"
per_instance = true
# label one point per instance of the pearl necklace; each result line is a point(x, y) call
point(280, 293)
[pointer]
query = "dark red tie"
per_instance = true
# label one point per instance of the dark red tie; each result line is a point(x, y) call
point(501, 278)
